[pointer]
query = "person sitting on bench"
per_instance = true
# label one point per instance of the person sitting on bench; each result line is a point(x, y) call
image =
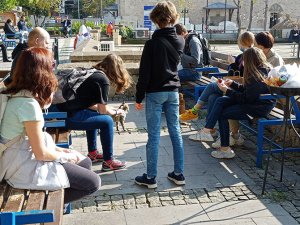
point(192, 56)
point(238, 102)
point(35, 162)
point(89, 110)
point(10, 31)
point(245, 41)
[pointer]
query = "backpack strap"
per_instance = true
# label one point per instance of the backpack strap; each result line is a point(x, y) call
point(171, 49)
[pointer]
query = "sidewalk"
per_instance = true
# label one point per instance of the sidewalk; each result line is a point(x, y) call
point(216, 191)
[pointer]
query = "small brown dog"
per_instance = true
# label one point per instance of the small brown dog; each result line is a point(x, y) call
point(120, 118)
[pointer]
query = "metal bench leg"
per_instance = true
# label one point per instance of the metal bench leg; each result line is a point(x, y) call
point(68, 208)
point(260, 142)
point(8, 218)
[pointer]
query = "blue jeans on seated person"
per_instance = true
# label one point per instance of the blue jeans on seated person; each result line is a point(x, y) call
point(211, 88)
point(91, 121)
point(224, 108)
point(169, 103)
point(188, 74)
point(15, 36)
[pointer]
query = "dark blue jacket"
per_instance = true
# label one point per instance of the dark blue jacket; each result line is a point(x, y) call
point(248, 96)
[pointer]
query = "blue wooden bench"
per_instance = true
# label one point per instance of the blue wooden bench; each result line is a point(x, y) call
point(275, 119)
point(9, 41)
point(29, 206)
point(194, 88)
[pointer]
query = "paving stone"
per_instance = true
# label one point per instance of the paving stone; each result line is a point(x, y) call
point(167, 203)
point(204, 199)
point(142, 206)
point(242, 198)
point(104, 208)
point(176, 195)
point(295, 214)
point(190, 201)
point(90, 209)
point(130, 206)
point(179, 202)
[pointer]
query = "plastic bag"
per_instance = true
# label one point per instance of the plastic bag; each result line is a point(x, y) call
point(287, 76)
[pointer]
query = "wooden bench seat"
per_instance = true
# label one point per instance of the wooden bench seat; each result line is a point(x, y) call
point(26, 206)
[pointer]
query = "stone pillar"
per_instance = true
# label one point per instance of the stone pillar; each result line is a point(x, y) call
point(116, 36)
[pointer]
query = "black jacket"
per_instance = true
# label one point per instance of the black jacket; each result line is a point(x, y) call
point(8, 29)
point(158, 68)
point(248, 96)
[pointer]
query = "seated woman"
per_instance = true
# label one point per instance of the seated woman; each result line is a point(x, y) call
point(265, 41)
point(35, 162)
point(89, 110)
point(212, 91)
point(239, 101)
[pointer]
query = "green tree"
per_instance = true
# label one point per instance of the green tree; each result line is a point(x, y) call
point(40, 8)
point(6, 5)
point(95, 7)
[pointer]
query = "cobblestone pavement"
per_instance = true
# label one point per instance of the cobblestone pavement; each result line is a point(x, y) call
point(208, 180)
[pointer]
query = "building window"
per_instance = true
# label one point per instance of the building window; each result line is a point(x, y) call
point(273, 19)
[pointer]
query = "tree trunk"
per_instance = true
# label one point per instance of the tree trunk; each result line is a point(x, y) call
point(238, 15)
point(43, 22)
point(35, 20)
point(266, 15)
point(250, 14)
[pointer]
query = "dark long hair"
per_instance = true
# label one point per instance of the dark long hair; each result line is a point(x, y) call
point(34, 72)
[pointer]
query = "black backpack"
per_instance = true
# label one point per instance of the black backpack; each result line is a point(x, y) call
point(205, 48)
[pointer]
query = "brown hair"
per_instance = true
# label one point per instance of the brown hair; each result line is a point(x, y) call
point(254, 58)
point(180, 29)
point(164, 13)
point(264, 39)
point(112, 65)
point(34, 72)
point(246, 39)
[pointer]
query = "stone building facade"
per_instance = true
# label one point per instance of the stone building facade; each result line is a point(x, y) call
point(132, 11)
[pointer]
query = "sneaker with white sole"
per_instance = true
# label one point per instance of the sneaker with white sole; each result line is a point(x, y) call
point(177, 179)
point(232, 141)
point(221, 154)
point(201, 136)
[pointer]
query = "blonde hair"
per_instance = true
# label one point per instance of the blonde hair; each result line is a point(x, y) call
point(113, 67)
point(246, 39)
point(254, 58)
point(164, 13)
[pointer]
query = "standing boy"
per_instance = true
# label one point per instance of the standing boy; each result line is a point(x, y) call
point(159, 82)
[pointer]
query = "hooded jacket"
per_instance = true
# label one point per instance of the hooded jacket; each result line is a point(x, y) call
point(158, 68)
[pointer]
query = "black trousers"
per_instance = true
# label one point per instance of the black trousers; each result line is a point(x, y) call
point(82, 180)
point(4, 52)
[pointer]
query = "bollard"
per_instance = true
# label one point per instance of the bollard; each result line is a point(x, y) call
point(55, 51)
point(298, 52)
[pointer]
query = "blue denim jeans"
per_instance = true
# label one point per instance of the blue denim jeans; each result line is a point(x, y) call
point(211, 88)
point(155, 104)
point(224, 108)
point(187, 74)
point(91, 121)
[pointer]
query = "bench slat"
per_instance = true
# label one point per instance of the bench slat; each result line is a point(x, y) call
point(15, 200)
point(35, 200)
point(55, 202)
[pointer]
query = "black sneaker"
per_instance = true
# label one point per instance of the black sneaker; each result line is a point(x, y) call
point(177, 179)
point(143, 180)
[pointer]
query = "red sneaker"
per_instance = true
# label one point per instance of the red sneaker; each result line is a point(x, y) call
point(113, 165)
point(95, 157)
